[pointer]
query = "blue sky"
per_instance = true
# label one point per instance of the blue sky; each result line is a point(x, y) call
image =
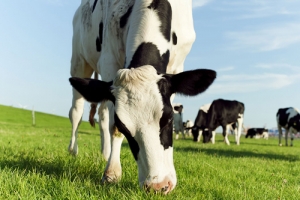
point(254, 45)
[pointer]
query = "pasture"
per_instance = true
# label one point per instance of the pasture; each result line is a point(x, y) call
point(35, 164)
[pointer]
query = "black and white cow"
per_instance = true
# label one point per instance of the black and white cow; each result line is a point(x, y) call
point(221, 113)
point(177, 120)
point(257, 133)
point(138, 48)
point(289, 119)
point(188, 125)
point(200, 126)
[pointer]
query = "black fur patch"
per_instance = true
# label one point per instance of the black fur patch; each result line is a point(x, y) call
point(284, 119)
point(148, 54)
point(94, 5)
point(166, 121)
point(125, 17)
point(164, 12)
point(99, 38)
point(174, 37)
point(132, 143)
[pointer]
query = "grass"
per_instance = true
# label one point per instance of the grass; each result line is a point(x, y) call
point(35, 164)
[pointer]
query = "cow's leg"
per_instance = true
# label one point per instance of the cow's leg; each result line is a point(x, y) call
point(75, 115)
point(113, 170)
point(199, 136)
point(236, 134)
point(290, 130)
point(279, 134)
point(79, 68)
point(106, 124)
point(239, 128)
point(182, 132)
point(225, 134)
point(292, 138)
point(213, 137)
point(176, 135)
point(286, 136)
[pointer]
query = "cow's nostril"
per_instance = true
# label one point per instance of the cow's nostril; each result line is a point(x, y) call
point(164, 189)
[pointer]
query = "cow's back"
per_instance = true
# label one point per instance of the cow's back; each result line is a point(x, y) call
point(224, 111)
point(284, 116)
point(108, 36)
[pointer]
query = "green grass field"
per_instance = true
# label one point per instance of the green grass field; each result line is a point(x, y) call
point(35, 164)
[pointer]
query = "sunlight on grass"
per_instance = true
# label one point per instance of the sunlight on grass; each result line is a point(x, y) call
point(35, 164)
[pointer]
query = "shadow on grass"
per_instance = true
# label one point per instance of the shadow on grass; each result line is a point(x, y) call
point(62, 168)
point(257, 143)
point(238, 154)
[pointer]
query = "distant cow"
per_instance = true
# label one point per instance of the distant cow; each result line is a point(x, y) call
point(200, 123)
point(221, 113)
point(187, 127)
point(177, 120)
point(139, 49)
point(200, 126)
point(257, 133)
point(289, 119)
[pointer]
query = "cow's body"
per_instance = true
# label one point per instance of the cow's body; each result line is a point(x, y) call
point(222, 113)
point(146, 39)
point(178, 121)
point(187, 126)
point(200, 126)
point(289, 119)
point(257, 133)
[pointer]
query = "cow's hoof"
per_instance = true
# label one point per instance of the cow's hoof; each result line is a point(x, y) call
point(73, 151)
point(110, 179)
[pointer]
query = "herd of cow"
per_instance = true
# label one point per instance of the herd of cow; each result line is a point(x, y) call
point(139, 48)
point(229, 115)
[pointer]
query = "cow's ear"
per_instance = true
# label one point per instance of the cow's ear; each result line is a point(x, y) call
point(192, 82)
point(93, 90)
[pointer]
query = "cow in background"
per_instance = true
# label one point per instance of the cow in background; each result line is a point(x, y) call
point(221, 113)
point(257, 133)
point(177, 120)
point(139, 49)
point(200, 125)
point(289, 119)
point(187, 127)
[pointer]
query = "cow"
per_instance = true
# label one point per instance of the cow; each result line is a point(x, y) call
point(187, 127)
point(139, 49)
point(289, 119)
point(177, 120)
point(257, 133)
point(221, 113)
point(200, 126)
point(200, 123)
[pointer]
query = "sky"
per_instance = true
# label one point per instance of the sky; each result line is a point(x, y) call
point(253, 45)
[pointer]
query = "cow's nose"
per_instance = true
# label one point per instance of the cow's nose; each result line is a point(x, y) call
point(164, 187)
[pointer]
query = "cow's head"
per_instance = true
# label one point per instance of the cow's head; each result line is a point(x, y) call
point(143, 113)
point(207, 135)
point(195, 133)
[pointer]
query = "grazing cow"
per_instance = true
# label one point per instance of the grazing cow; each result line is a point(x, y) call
point(188, 126)
point(138, 48)
point(221, 113)
point(257, 133)
point(200, 126)
point(289, 119)
point(200, 123)
point(177, 120)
